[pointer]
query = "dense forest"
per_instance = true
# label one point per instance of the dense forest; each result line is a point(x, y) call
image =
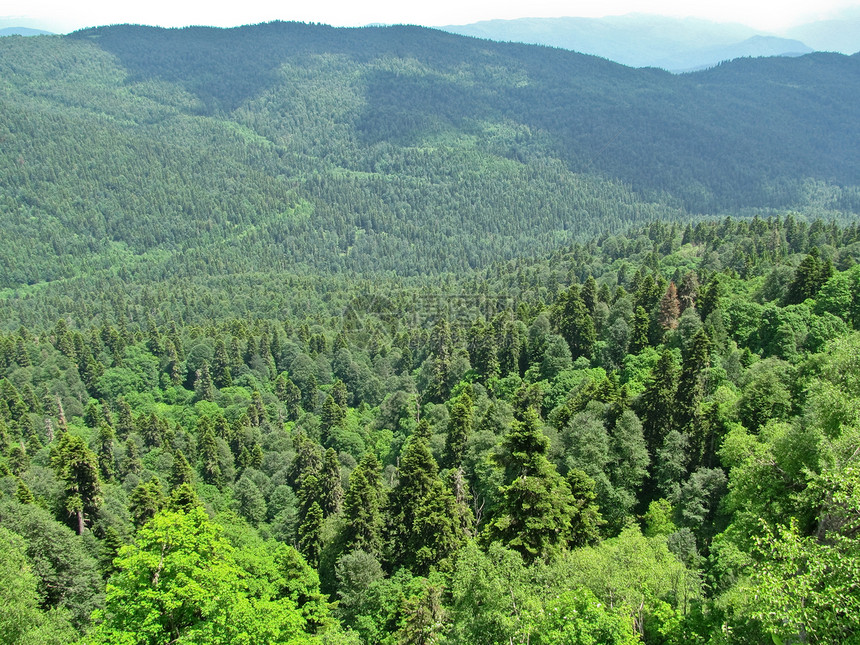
point(646, 437)
point(389, 336)
point(309, 149)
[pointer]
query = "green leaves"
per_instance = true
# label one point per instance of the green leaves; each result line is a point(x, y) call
point(180, 583)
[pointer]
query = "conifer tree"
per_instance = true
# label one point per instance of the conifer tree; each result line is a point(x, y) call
point(423, 524)
point(574, 323)
point(210, 469)
point(510, 349)
point(656, 406)
point(203, 385)
point(670, 308)
point(442, 353)
point(308, 459)
point(63, 340)
point(145, 501)
point(180, 471)
point(172, 365)
point(292, 399)
point(332, 416)
point(104, 451)
point(22, 357)
point(19, 461)
point(340, 394)
point(310, 534)
point(639, 332)
point(332, 488)
point(132, 464)
point(691, 390)
point(459, 429)
point(93, 415)
point(536, 506)
point(221, 365)
point(688, 291)
point(585, 521)
point(809, 277)
point(77, 468)
point(709, 300)
point(362, 507)
point(589, 294)
point(125, 420)
point(22, 493)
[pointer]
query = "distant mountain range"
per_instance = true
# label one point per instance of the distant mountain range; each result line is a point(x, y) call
point(674, 44)
point(23, 31)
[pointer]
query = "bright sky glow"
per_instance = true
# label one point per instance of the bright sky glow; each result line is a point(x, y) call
point(62, 16)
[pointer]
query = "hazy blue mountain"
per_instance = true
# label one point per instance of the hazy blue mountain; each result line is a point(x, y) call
point(840, 34)
point(639, 40)
point(754, 47)
point(23, 31)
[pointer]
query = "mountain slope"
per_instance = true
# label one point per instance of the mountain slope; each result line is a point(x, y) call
point(401, 149)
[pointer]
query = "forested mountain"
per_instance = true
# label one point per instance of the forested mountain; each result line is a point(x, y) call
point(396, 149)
point(389, 336)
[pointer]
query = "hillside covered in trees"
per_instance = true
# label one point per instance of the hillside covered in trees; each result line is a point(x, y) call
point(389, 336)
point(312, 149)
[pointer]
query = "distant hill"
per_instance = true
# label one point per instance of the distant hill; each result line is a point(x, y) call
point(23, 31)
point(754, 47)
point(639, 40)
point(841, 34)
point(388, 149)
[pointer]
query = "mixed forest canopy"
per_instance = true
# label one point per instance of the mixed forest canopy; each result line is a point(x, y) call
point(392, 336)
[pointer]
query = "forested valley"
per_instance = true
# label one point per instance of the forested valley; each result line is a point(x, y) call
point(374, 336)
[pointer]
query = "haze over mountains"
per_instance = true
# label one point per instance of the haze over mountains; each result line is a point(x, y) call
point(23, 31)
point(675, 44)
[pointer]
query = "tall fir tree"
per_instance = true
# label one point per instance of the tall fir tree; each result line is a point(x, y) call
point(535, 507)
point(423, 525)
point(77, 468)
point(458, 431)
point(104, 451)
point(362, 508)
point(574, 323)
point(210, 469)
point(332, 488)
point(656, 405)
point(691, 392)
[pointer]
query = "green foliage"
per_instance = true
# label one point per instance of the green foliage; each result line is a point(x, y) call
point(67, 576)
point(186, 350)
point(362, 508)
point(180, 582)
point(20, 614)
point(536, 505)
point(807, 589)
point(423, 529)
point(77, 468)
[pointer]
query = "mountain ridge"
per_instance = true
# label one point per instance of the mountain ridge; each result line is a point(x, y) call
point(371, 149)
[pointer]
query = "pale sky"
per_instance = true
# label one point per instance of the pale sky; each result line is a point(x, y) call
point(62, 16)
